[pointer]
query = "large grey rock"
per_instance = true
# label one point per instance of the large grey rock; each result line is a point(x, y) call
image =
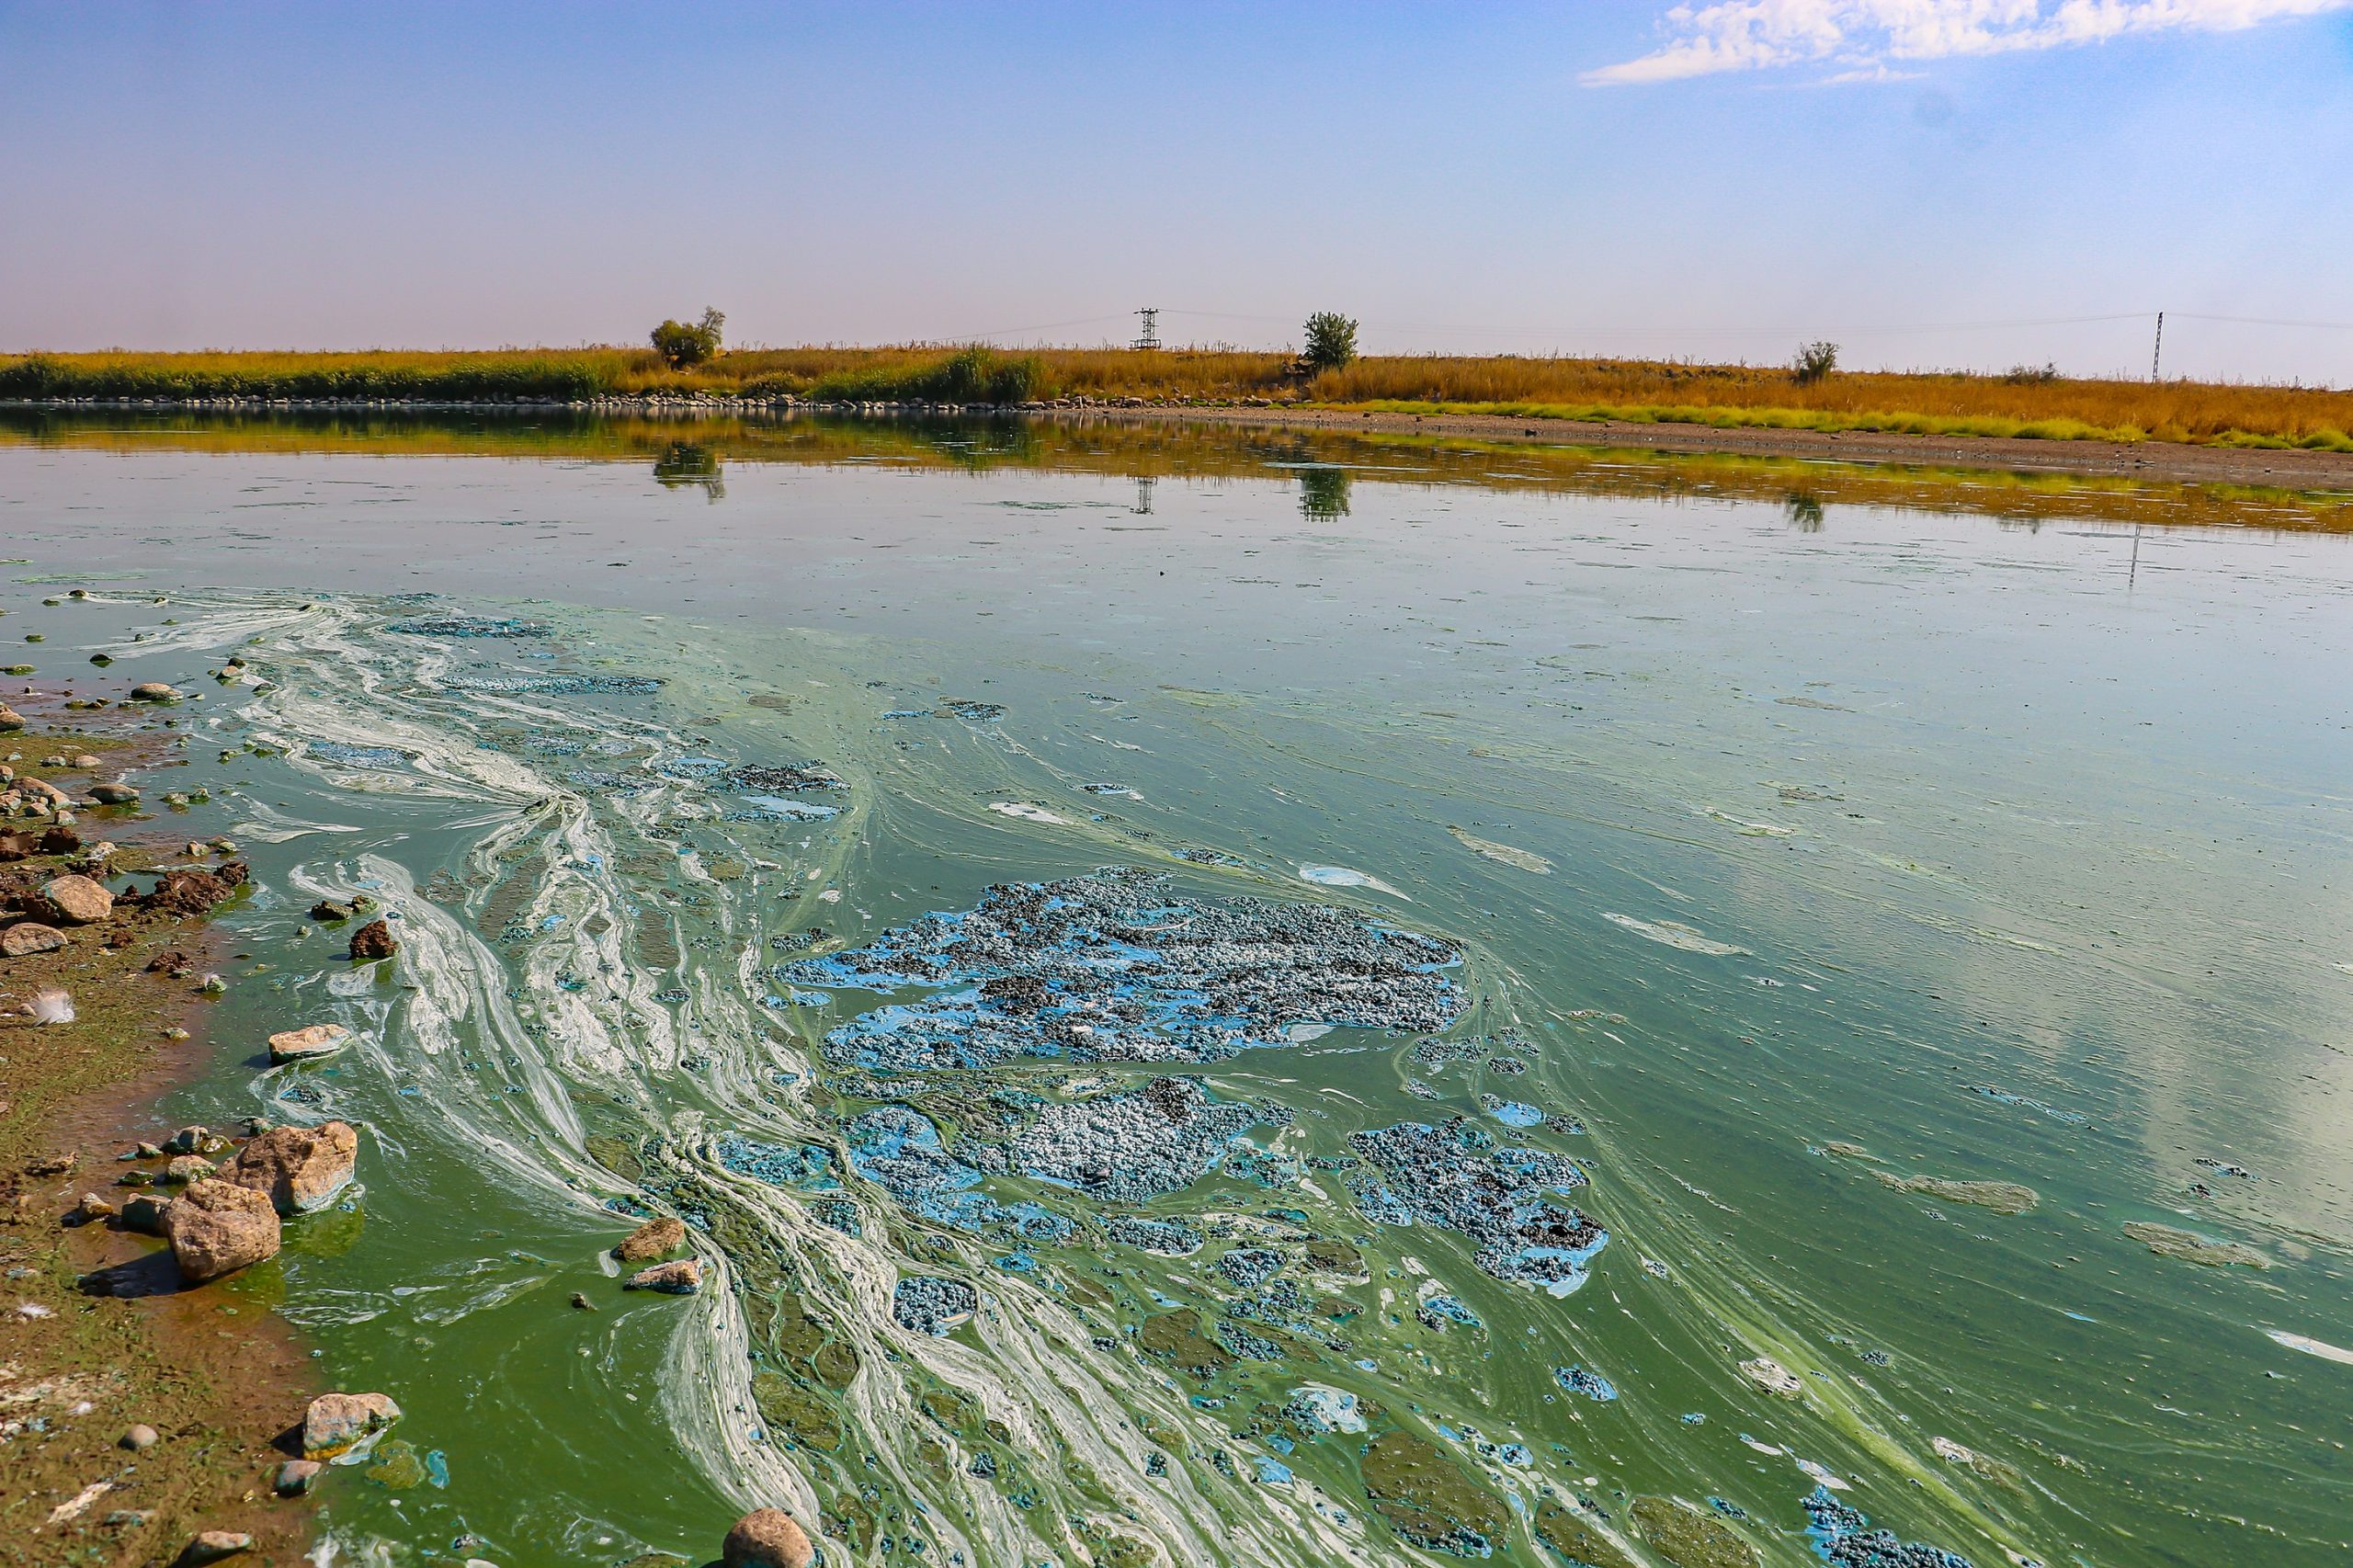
point(655, 1239)
point(78, 901)
point(683, 1277)
point(766, 1538)
point(216, 1228)
point(338, 1423)
point(301, 1168)
point(26, 938)
point(300, 1045)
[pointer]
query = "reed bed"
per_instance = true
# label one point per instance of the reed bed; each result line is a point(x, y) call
point(2027, 405)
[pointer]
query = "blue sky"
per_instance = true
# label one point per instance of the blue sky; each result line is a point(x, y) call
point(1710, 180)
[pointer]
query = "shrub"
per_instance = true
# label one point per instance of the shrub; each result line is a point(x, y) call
point(682, 345)
point(969, 375)
point(2032, 375)
point(1814, 363)
point(1331, 343)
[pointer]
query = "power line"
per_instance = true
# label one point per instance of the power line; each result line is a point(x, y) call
point(2267, 321)
point(1688, 329)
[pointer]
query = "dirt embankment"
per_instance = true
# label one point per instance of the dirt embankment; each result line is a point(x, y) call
point(96, 1338)
point(2156, 460)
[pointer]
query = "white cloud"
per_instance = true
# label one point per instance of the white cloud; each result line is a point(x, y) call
point(1861, 37)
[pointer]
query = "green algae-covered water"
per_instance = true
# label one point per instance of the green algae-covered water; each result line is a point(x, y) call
point(1212, 998)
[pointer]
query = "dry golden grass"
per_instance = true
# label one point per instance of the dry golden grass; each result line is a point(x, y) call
point(1942, 404)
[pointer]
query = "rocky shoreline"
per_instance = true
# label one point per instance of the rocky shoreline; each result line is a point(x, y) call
point(134, 1411)
point(2148, 461)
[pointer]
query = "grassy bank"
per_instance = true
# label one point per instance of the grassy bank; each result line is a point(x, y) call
point(2029, 405)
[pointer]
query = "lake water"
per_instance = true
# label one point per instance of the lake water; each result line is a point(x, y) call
point(1736, 867)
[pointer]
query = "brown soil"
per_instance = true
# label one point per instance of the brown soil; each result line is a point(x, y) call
point(2160, 460)
point(213, 1371)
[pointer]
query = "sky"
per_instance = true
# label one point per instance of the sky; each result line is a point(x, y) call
point(1928, 183)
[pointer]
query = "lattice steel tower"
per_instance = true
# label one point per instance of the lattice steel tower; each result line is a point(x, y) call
point(1148, 335)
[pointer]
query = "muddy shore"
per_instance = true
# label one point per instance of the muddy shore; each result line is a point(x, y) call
point(98, 1337)
point(2153, 460)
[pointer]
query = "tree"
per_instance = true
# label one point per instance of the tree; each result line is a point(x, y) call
point(1331, 343)
point(1814, 361)
point(683, 346)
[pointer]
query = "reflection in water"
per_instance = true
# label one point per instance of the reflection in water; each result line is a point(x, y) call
point(688, 465)
point(1323, 493)
point(1805, 510)
point(1135, 448)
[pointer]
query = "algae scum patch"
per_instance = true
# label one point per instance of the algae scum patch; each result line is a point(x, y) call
point(1116, 968)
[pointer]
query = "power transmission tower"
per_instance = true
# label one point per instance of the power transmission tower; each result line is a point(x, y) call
point(1148, 335)
point(2157, 354)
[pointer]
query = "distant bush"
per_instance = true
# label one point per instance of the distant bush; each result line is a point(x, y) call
point(1814, 363)
point(2032, 375)
point(682, 345)
point(969, 375)
point(1331, 343)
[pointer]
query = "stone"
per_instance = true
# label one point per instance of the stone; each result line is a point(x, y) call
point(10, 720)
point(372, 941)
point(140, 1437)
point(295, 1476)
point(1773, 1378)
point(30, 936)
point(194, 891)
point(338, 1423)
point(766, 1538)
point(212, 1546)
point(186, 1168)
point(96, 1206)
point(144, 1213)
point(328, 909)
point(301, 1168)
point(15, 845)
point(153, 691)
point(85, 761)
point(683, 1277)
point(187, 1141)
point(655, 1239)
point(78, 901)
point(62, 840)
point(317, 1040)
point(113, 794)
point(581, 1302)
point(217, 1228)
